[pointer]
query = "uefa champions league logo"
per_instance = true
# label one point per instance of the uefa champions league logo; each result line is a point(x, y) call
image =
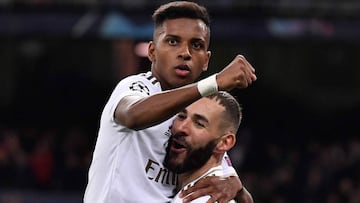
point(140, 86)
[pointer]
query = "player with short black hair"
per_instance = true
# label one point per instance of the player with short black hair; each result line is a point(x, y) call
point(127, 164)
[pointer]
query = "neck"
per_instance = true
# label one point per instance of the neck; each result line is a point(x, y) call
point(187, 177)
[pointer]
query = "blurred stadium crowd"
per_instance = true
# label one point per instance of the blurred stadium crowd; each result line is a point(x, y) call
point(299, 141)
point(56, 161)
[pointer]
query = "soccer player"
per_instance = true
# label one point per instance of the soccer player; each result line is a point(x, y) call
point(200, 136)
point(127, 164)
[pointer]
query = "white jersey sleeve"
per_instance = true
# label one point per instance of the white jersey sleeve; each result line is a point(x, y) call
point(142, 85)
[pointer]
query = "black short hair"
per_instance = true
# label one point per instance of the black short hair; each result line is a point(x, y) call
point(233, 110)
point(180, 9)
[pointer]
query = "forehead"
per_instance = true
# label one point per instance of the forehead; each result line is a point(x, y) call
point(184, 27)
point(210, 108)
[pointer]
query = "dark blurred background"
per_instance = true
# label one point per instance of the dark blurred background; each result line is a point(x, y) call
point(299, 140)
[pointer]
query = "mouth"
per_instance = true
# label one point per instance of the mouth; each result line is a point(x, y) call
point(177, 146)
point(182, 70)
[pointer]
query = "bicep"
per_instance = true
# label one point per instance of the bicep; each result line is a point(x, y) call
point(122, 111)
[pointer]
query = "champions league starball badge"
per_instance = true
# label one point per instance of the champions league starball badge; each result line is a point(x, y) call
point(139, 86)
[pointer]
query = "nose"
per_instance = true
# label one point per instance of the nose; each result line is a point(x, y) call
point(181, 126)
point(185, 53)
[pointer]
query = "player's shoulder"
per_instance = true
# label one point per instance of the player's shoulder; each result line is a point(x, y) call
point(142, 82)
point(145, 77)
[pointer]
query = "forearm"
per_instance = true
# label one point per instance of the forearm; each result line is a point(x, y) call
point(244, 196)
point(157, 108)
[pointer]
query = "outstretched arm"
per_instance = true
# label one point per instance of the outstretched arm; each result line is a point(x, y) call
point(138, 113)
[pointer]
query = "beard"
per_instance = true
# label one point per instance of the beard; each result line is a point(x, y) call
point(195, 157)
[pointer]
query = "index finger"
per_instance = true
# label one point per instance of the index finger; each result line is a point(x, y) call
point(242, 57)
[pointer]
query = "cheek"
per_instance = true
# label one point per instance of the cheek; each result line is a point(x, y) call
point(200, 140)
point(201, 62)
point(162, 56)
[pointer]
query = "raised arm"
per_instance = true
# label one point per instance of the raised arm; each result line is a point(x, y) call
point(138, 113)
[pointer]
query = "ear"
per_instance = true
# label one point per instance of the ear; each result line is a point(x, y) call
point(225, 143)
point(151, 50)
point(207, 62)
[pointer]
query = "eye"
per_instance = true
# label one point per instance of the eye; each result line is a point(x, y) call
point(172, 41)
point(198, 45)
point(199, 124)
point(181, 116)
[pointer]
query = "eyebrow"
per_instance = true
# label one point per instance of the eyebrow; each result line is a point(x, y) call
point(178, 38)
point(201, 117)
point(172, 36)
point(197, 116)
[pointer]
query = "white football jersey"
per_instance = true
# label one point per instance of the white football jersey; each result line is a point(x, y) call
point(215, 171)
point(127, 165)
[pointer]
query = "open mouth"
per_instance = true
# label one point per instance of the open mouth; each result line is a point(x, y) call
point(182, 70)
point(178, 146)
